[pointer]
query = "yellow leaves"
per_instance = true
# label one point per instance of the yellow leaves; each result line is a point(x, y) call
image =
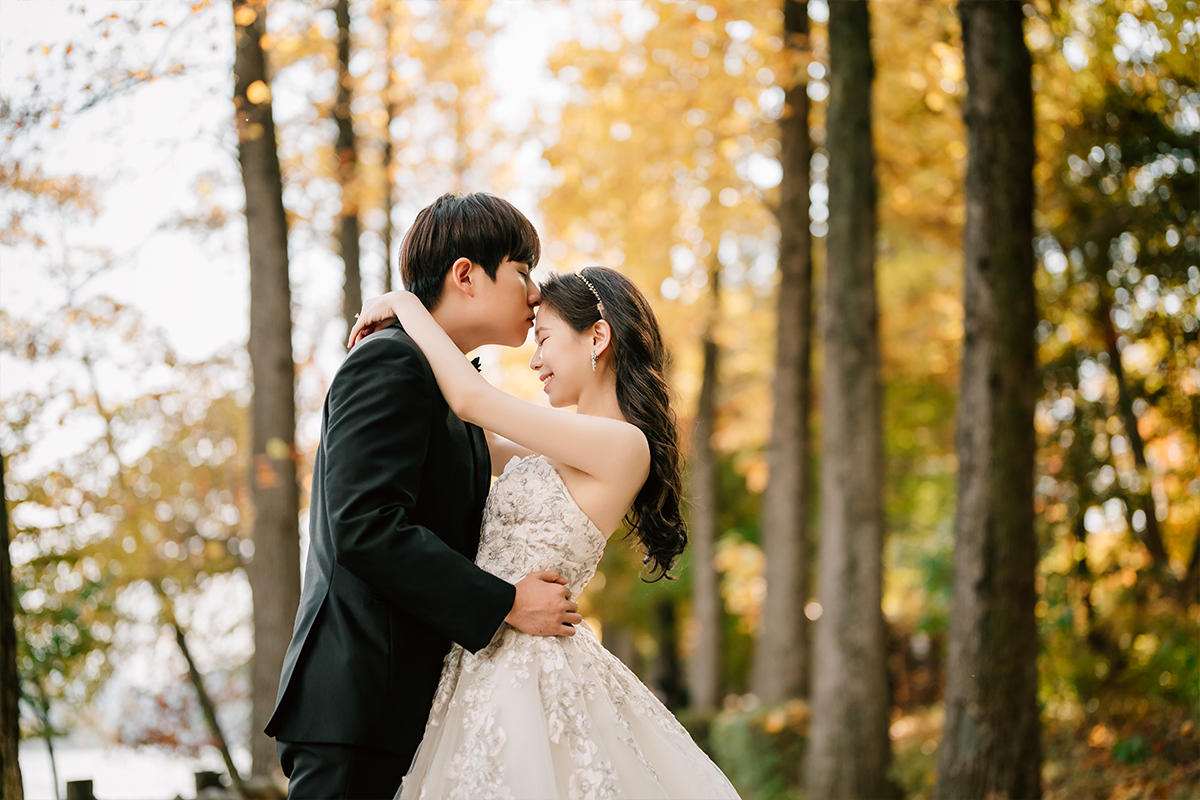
point(916, 79)
point(611, 96)
point(1043, 171)
point(253, 132)
point(742, 583)
point(244, 16)
point(949, 59)
point(757, 475)
point(277, 449)
point(258, 93)
point(653, 197)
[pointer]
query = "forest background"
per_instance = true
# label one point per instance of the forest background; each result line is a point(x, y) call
point(149, 452)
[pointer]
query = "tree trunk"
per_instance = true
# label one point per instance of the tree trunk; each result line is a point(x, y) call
point(849, 749)
point(704, 672)
point(1189, 588)
point(389, 187)
point(781, 661)
point(668, 677)
point(206, 705)
point(389, 206)
point(347, 170)
point(990, 742)
point(41, 709)
point(10, 729)
point(1151, 536)
point(274, 571)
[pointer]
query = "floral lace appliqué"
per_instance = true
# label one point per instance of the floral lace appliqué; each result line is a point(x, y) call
point(532, 523)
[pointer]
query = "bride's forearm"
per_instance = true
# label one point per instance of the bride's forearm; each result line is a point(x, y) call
point(596, 445)
point(461, 384)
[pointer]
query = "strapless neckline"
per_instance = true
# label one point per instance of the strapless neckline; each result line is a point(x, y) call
point(592, 526)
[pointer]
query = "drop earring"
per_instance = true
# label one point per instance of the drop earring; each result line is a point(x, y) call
point(593, 359)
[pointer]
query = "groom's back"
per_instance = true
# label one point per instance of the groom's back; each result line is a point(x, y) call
point(366, 653)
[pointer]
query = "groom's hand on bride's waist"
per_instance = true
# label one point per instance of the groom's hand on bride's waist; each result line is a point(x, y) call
point(543, 606)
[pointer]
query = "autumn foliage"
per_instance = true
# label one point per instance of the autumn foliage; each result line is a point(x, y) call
point(652, 145)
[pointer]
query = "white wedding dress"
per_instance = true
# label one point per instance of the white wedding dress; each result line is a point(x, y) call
point(534, 717)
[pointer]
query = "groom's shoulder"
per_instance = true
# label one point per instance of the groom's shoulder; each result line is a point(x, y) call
point(384, 349)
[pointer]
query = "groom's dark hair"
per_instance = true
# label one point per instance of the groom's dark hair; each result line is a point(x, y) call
point(478, 226)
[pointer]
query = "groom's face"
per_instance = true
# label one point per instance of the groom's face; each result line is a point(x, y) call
point(508, 303)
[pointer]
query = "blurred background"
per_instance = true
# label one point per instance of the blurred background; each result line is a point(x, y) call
point(157, 450)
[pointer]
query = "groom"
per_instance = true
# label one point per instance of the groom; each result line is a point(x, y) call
point(398, 489)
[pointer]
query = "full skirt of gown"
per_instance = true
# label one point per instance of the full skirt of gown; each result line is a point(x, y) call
point(532, 718)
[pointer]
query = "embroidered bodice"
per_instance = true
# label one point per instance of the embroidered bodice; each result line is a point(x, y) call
point(531, 523)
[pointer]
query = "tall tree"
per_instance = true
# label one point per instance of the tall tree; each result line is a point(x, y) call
point(990, 743)
point(275, 570)
point(168, 513)
point(1143, 499)
point(10, 730)
point(781, 660)
point(849, 749)
point(652, 159)
point(389, 109)
point(347, 169)
point(704, 669)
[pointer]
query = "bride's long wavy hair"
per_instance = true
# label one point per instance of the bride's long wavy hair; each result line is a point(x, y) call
point(640, 362)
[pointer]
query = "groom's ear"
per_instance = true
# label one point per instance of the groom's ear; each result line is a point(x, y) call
point(462, 277)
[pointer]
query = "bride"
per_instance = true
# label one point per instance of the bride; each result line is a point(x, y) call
point(561, 717)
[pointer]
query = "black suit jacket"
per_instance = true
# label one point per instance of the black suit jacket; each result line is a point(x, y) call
point(398, 490)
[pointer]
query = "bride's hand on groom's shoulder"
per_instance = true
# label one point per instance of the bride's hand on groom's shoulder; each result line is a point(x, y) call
point(543, 606)
point(377, 313)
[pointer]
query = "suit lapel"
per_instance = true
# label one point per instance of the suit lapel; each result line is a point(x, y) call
point(473, 442)
point(482, 464)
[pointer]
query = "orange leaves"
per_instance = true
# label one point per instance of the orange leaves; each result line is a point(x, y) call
point(245, 15)
point(258, 93)
point(265, 474)
point(32, 182)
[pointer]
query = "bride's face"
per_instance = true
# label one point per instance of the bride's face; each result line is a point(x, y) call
point(563, 359)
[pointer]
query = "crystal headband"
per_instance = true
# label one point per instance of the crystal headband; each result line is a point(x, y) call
point(599, 302)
